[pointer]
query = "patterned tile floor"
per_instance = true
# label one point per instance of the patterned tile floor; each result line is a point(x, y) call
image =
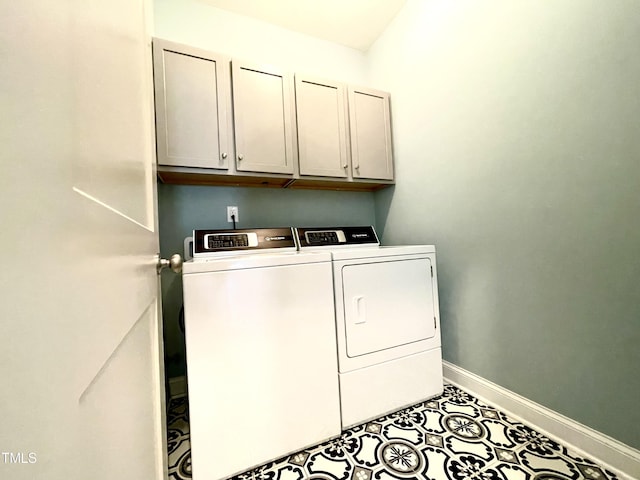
point(451, 437)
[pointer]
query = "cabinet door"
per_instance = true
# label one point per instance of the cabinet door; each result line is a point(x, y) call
point(370, 134)
point(191, 93)
point(262, 111)
point(322, 129)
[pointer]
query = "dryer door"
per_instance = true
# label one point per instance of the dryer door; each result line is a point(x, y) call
point(387, 304)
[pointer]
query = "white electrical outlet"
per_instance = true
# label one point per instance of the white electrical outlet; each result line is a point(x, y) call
point(232, 211)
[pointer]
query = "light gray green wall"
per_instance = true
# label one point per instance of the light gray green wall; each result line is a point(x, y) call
point(184, 208)
point(517, 148)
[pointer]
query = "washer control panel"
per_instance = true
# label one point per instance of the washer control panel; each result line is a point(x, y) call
point(325, 237)
point(213, 241)
point(207, 243)
point(336, 236)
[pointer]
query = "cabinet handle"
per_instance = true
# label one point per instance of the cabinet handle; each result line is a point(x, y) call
point(223, 155)
point(240, 157)
point(344, 166)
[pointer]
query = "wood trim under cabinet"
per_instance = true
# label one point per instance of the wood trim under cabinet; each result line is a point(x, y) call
point(196, 178)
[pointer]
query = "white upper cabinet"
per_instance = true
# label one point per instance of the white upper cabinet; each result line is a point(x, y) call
point(262, 109)
point(322, 129)
point(224, 122)
point(192, 96)
point(370, 122)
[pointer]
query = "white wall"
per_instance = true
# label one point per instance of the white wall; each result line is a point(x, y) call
point(198, 24)
point(517, 149)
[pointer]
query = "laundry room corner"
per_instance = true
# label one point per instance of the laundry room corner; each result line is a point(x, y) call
point(516, 148)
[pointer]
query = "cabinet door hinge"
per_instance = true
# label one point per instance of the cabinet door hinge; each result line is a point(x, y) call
point(431, 271)
point(434, 322)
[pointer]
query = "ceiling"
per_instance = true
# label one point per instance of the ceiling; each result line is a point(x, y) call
point(353, 23)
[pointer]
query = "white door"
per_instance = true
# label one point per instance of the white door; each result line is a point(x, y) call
point(81, 357)
point(387, 304)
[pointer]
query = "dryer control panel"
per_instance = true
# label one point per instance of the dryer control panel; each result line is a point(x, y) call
point(207, 243)
point(336, 236)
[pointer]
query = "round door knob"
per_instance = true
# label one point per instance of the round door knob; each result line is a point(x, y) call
point(344, 166)
point(175, 263)
point(224, 155)
point(240, 157)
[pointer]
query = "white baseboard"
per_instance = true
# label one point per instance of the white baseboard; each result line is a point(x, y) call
point(623, 460)
point(178, 386)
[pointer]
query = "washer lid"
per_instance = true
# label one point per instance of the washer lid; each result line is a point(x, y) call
point(261, 260)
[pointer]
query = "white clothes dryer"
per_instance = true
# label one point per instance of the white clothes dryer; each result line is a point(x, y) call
point(387, 321)
point(260, 345)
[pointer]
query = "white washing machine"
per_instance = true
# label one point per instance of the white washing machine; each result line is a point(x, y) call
point(387, 320)
point(260, 344)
